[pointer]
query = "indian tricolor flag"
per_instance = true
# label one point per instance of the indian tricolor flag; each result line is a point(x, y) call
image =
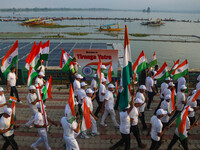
point(181, 123)
point(27, 66)
point(174, 66)
point(116, 88)
point(181, 70)
point(10, 59)
point(47, 89)
point(85, 117)
point(173, 100)
point(45, 51)
point(162, 73)
point(13, 100)
point(154, 61)
point(65, 61)
point(72, 101)
point(109, 76)
point(98, 78)
point(195, 96)
point(31, 74)
point(71, 67)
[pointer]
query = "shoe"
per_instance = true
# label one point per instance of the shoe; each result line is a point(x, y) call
point(144, 128)
point(19, 86)
point(142, 146)
point(20, 102)
point(148, 109)
point(94, 134)
point(29, 126)
point(33, 147)
point(117, 126)
point(84, 136)
point(103, 124)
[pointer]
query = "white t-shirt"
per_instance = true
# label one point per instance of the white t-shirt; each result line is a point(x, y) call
point(31, 98)
point(180, 99)
point(156, 128)
point(124, 122)
point(197, 88)
point(102, 75)
point(167, 92)
point(94, 85)
point(134, 115)
point(165, 106)
point(187, 127)
point(102, 90)
point(68, 128)
point(141, 96)
point(39, 81)
point(181, 81)
point(76, 87)
point(110, 100)
point(12, 79)
point(89, 104)
point(164, 85)
point(149, 84)
point(155, 81)
point(5, 124)
point(192, 105)
point(2, 101)
point(42, 69)
point(81, 94)
point(39, 119)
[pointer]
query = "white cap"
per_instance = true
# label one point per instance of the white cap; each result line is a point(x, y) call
point(79, 76)
point(38, 105)
point(8, 111)
point(41, 74)
point(161, 112)
point(95, 75)
point(103, 67)
point(183, 87)
point(189, 108)
point(142, 87)
point(198, 78)
point(128, 107)
point(89, 91)
point(138, 100)
point(32, 87)
point(194, 91)
point(83, 84)
point(1, 89)
point(168, 79)
point(111, 86)
point(168, 96)
point(103, 80)
point(171, 84)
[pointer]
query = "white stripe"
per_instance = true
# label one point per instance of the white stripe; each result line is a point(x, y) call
point(181, 69)
point(141, 60)
point(161, 74)
point(126, 56)
point(45, 50)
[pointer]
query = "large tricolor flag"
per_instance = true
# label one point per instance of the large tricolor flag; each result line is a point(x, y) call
point(72, 101)
point(109, 76)
point(154, 61)
point(47, 89)
point(27, 66)
point(98, 78)
point(45, 51)
point(173, 99)
point(174, 66)
point(181, 70)
point(85, 117)
point(181, 123)
point(10, 59)
point(31, 74)
point(13, 100)
point(65, 61)
point(162, 73)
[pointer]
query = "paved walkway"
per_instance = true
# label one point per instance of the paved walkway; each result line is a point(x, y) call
point(109, 135)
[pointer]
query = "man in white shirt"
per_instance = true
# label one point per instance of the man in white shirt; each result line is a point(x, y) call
point(155, 81)
point(94, 87)
point(3, 104)
point(102, 92)
point(41, 68)
point(11, 82)
point(156, 129)
point(181, 81)
point(32, 102)
point(81, 94)
point(77, 85)
point(40, 81)
point(103, 67)
point(108, 106)
point(197, 88)
point(7, 130)
point(134, 121)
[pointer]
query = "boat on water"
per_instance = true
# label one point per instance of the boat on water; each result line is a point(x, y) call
point(153, 22)
point(109, 28)
point(38, 21)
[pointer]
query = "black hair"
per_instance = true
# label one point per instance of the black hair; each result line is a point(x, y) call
point(12, 68)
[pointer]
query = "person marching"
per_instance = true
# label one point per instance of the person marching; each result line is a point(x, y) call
point(181, 81)
point(41, 81)
point(108, 106)
point(41, 68)
point(81, 94)
point(197, 88)
point(11, 82)
point(168, 91)
point(32, 102)
point(155, 81)
point(94, 87)
point(3, 104)
point(103, 67)
point(77, 85)
point(134, 121)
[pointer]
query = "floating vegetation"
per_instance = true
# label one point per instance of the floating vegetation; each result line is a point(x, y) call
point(54, 36)
point(77, 34)
point(65, 26)
point(139, 34)
point(18, 35)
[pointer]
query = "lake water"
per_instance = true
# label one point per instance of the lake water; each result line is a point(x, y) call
point(165, 51)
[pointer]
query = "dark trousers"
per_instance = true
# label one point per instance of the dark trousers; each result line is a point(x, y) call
point(162, 99)
point(164, 125)
point(198, 102)
point(117, 102)
point(79, 108)
point(156, 87)
point(184, 142)
point(136, 133)
point(9, 141)
point(150, 96)
point(14, 90)
point(1, 115)
point(142, 119)
point(98, 109)
point(192, 120)
point(155, 145)
point(125, 139)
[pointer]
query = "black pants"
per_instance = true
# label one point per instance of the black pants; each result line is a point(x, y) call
point(198, 102)
point(125, 139)
point(9, 141)
point(98, 109)
point(142, 119)
point(150, 96)
point(156, 87)
point(164, 125)
point(192, 120)
point(155, 145)
point(1, 115)
point(162, 99)
point(14, 90)
point(117, 101)
point(136, 133)
point(79, 108)
point(184, 142)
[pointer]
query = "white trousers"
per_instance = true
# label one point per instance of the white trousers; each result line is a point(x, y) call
point(42, 139)
point(93, 124)
point(32, 119)
point(71, 143)
point(112, 114)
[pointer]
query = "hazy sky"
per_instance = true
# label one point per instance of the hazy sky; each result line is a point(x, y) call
point(115, 4)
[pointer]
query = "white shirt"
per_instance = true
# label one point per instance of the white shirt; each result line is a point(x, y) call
point(156, 128)
point(192, 105)
point(68, 111)
point(42, 69)
point(155, 81)
point(68, 128)
point(167, 92)
point(39, 81)
point(76, 87)
point(12, 79)
point(187, 127)
point(94, 85)
point(2, 101)
point(124, 122)
point(197, 88)
point(102, 75)
point(102, 90)
point(31, 98)
point(162, 88)
point(39, 119)
point(110, 100)
point(181, 81)
point(165, 106)
point(89, 104)
point(149, 84)
point(180, 99)
point(81, 94)
point(5, 124)
point(141, 96)
point(134, 115)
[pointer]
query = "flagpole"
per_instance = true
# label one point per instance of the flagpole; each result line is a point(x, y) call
point(17, 69)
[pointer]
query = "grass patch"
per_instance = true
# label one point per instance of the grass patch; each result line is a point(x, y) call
point(112, 34)
point(77, 34)
point(65, 26)
point(139, 34)
point(18, 35)
point(53, 36)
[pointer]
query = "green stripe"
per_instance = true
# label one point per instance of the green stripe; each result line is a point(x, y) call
point(66, 66)
point(14, 61)
point(125, 76)
point(176, 76)
point(142, 67)
point(124, 98)
point(44, 57)
point(164, 76)
point(130, 69)
point(33, 75)
point(153, 63)
point(44, 92)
